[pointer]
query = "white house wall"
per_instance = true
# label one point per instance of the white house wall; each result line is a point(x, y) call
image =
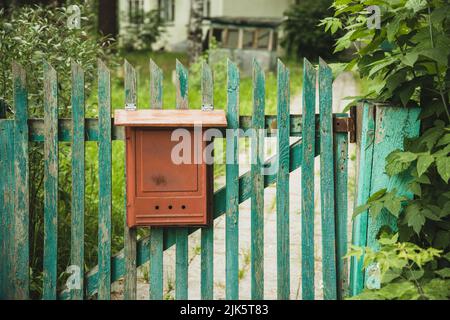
point(175, 37)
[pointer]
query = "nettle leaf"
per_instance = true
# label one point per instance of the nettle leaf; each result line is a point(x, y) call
point(423, 163)
point(443, 167)
point(431, 135)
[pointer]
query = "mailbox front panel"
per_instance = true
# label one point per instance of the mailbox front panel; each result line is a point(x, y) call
point(159, 191)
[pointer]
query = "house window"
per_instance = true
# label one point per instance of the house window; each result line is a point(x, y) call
point(167, 10)
point(136, 11)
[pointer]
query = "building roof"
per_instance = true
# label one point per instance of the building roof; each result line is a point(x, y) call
point(266, 22)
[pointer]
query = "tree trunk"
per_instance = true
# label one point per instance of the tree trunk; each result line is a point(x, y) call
point(107, 17)
point(195, 30)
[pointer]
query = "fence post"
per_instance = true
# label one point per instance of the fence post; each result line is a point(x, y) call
point(391, 125)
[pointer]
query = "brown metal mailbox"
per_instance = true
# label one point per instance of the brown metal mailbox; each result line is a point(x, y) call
point(159, 191)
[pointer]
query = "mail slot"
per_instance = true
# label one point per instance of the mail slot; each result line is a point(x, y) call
point(163, 190)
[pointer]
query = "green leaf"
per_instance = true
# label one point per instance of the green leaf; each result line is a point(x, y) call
point(376, 208)
point(443, 273)
point(377, 195)
point(394, 205)
point(423, 162)
point(443, 167)
point(360, 209)
point(444, 140)
point(399, 161)
point(414, 218)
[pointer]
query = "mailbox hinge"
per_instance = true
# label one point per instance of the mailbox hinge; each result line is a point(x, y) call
point(347, 124)
point(130, 106)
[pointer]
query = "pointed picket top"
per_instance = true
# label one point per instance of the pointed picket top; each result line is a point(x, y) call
point(309, 71)
point(258, 88)
point(283, 82)
point(76, 68)
point(130, 86)
point(19, 75)
point(181, 86)
point(156, 86)
point(233, 75)
point(20, 89)
point(207, 87)
point(49, 77)
point(324, 70)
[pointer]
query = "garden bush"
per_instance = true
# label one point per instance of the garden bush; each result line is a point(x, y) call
point(407, 61)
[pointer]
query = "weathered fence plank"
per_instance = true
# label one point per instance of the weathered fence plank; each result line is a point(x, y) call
point(283, 239)
point(231, 191)
point(392, 126)
point(207, 233)
point(7, 207)
point(129, 237)
point(341, 205)
point(257, 199)
point(307, 180)
point(78, 179)
point(156, 87)
point(156, 263)
point(359, 234)
point(327, 182)
point(156, 234)
point(50, 182)
point(21, 248)
point(36, 128)
point(104, 173)
point(181, 285)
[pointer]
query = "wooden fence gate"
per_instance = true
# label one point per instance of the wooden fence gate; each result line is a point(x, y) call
point(324, 134)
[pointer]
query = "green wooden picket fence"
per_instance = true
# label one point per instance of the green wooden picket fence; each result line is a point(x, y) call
point(318, 137)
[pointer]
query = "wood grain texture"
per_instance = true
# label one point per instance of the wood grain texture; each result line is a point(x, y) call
point(36, 127)
point(21, 249)
point(78, 178)
point(207, 233)
point(156, 87)
point(207, 87)
point(105, 181)
point(257, 176)
point(156, 263)
point(283, 240)
point(6, 207)
point(170, 118)
point(359, 233)
point(50, 182)
point(156, 234)
point(231, 193)
point(130, 279)
point(392, 126)
point(341, 213)
point(307, 180)
point(181, 270)
point(327, 182)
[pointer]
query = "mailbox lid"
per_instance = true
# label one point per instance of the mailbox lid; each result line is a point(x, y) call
point(170, 118)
